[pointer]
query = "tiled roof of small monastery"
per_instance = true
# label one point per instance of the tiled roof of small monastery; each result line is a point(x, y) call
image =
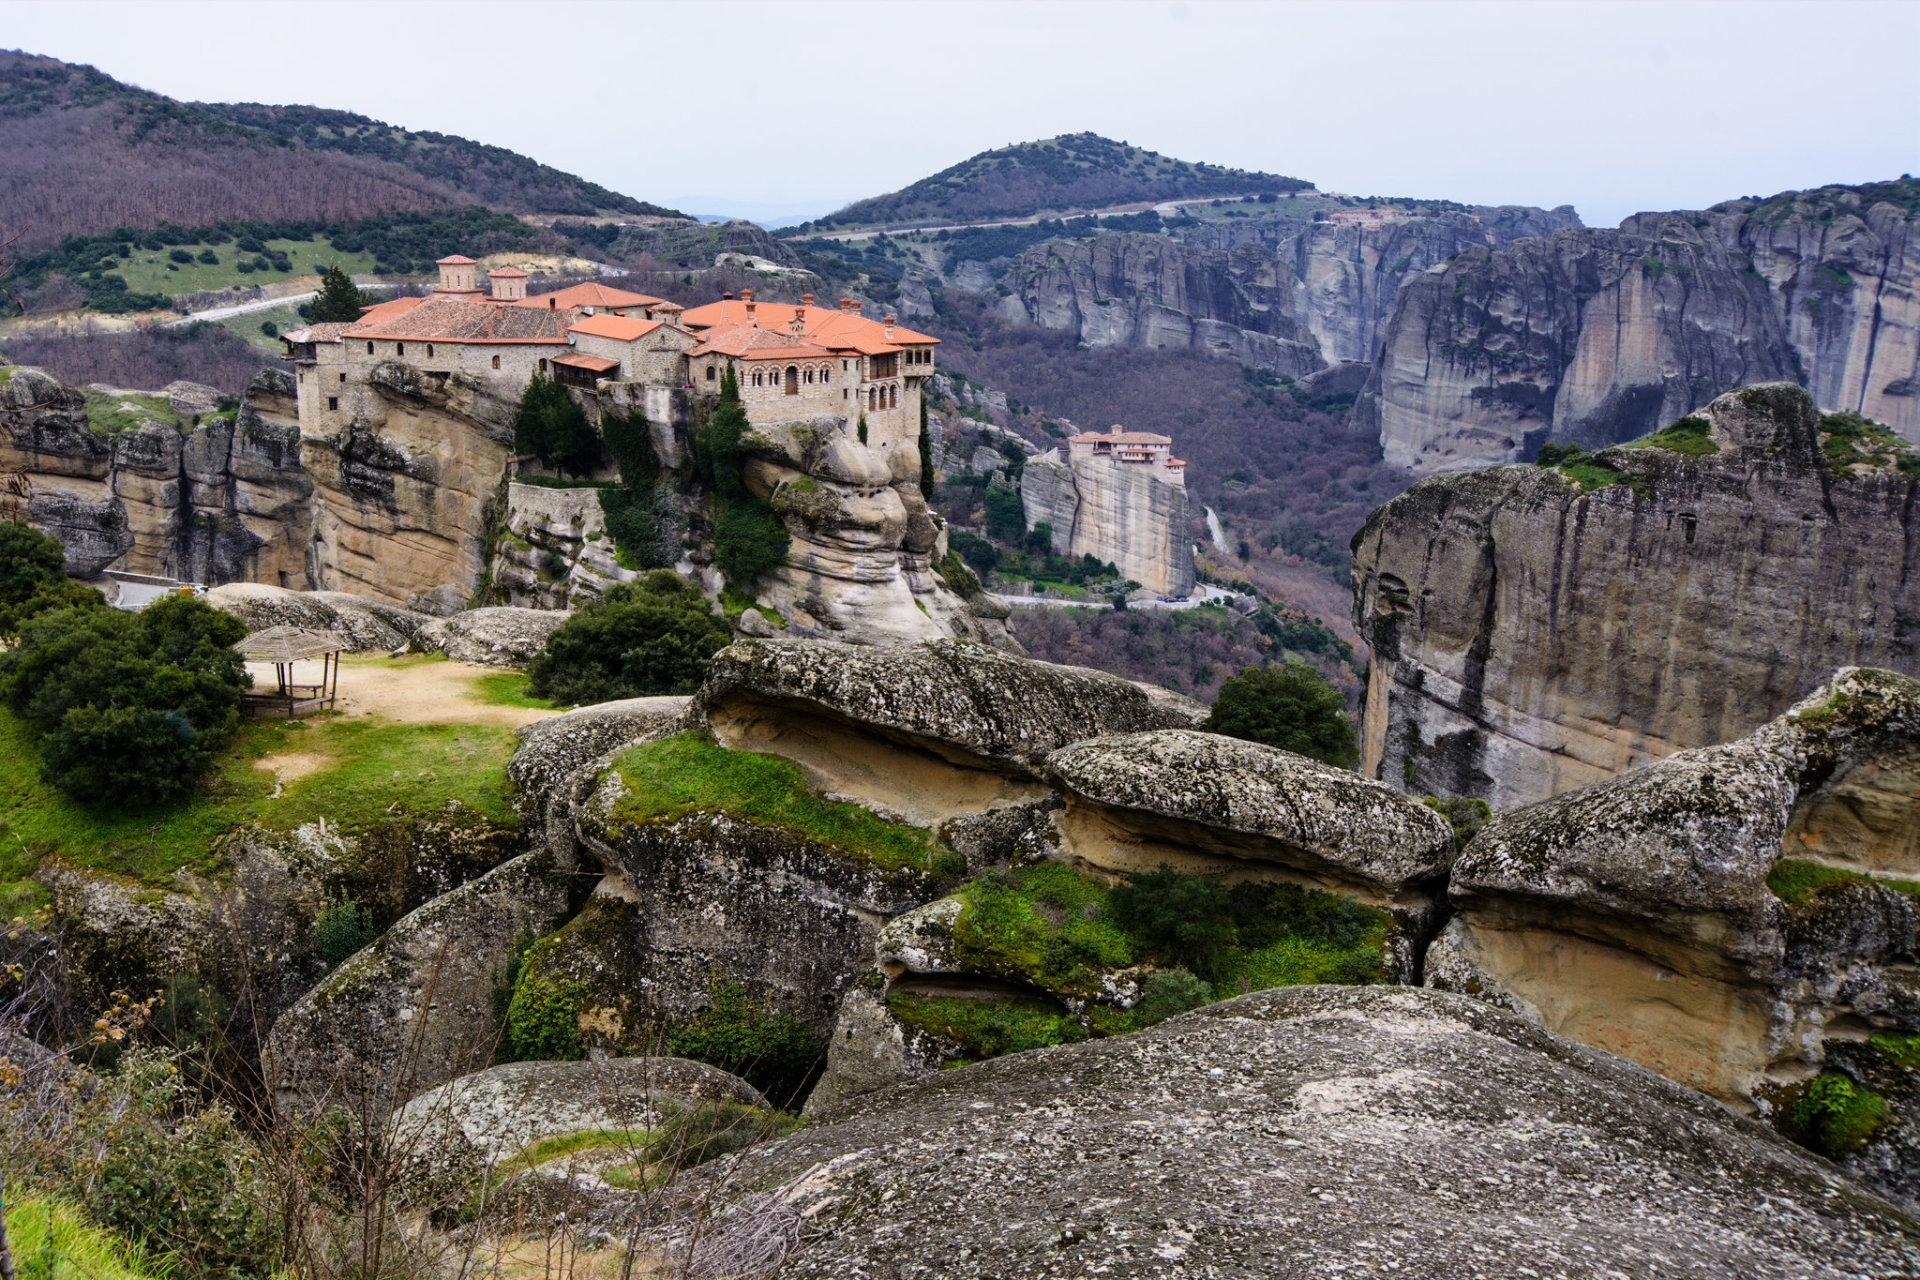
point(619, 328)
point(590, 294)
point(821, 326)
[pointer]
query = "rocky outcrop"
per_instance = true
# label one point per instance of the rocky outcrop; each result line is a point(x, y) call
point(1531, 634)
point(1280, 294)
point(1600, 336)
point(931, 731)
point(1725, 916)
point(500, 636)
point(404, 495)
point(554, 550)
point(1119, 514)
point(215, 500)
point(416, 1008)
point(1312, 1130)
point(864, 543)
point(366, 625)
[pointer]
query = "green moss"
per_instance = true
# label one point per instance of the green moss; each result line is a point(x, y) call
point(769, 1049)
point(1833, 1115)
point(734, 603)
point(114, 414)
point(1688, 435)
point(1848, 440)
point(989, 1028)
point(567, 1144)
point(543, 1021)
point(1593, 475)
point(1796, 882)
point(689, 773)
point(376, 768)
point(1902, 1048)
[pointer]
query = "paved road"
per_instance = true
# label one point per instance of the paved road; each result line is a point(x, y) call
point(238, 309)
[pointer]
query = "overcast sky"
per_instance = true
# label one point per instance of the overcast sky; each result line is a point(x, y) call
point(1611, 107)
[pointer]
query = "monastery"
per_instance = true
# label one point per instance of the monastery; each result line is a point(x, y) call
point(790, 362)
point(1119, 496)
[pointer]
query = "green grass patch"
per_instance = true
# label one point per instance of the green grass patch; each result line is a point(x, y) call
point(1046, 924)
point(1795, 882)
point(989, 1028)
point(247, 325)
point(1904, 1049)
point(553, 1148)
point(688, 774)
point(1848, 440)
point(1593, 475)
point(1688, 435)
point(113, 414)
point(154, 271)
point(507, 689)
point(53, 1240)
point(696, 1135)
point(378, 767)
point(734, 603)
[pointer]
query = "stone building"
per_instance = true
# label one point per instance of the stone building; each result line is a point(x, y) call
point(1119, 496)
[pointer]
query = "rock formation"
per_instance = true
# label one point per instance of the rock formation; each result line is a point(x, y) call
point(1738, 917)
point(1278, 294)
point(1306, 1131)
point(1597, 336)
point(216, 501)
point(1531, 634)
point(1120, 514)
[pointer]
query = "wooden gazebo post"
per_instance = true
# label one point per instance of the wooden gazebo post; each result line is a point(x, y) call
point(283, 646)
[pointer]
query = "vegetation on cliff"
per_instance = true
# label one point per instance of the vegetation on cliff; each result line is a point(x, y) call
point(647, 637)
point(1291, 707)
point(749, 541)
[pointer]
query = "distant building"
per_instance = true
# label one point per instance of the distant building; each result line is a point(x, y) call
point(1118, 496)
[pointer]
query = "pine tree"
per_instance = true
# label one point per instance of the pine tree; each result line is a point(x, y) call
point(340, 300)
point(863, 428)
point(926, 454)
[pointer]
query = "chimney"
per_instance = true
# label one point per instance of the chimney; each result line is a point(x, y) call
point(846, 305)
point(807, 298)
point(550, 302)
point(889, 328)
point(798, 325)
point(726, 297)
point(746, 296)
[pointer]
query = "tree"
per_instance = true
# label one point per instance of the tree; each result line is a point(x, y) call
point(717, 446)
point(862, 432)
point(553, 427)
point(748, 539)
point(1291, 707)
point(648, 637)
point(130, 706)
point(33, 578)
point(926, 453)
point(340, 300)
point(1006, 518)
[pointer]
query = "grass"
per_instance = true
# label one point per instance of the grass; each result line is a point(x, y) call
point(507, 689)
point(688, 774)
point(566, 1144)
point(247, 325)
point(734, 603)
point(1795, 882)
point(1688, 435)
point(1848, 440)
point(378, 767)
point(989, 1028)
point(1903, 1049)
point(53, 1240)
point(1593, 475)
point(147, 270)
point(112, 414)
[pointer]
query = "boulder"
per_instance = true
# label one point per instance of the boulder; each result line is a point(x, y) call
point(1729, 916)
point(367, 625)
point(1305, 1131)
point(551, 751)
point(417, 1007)
point(930, 730)
point(502, 636)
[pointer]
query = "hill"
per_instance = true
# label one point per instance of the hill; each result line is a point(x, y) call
point(1072, 172)
point(81, 154)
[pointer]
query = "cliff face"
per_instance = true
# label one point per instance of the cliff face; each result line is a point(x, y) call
point(1600, 336)
point(1531, 636)
point(220, 502)
point(1279, 295)
point(1116, 514)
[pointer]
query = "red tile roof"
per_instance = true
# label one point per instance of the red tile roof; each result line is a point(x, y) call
point(822, 326)
point(619, 328)
point(579, 360)
point(590, 294)
point(1121, 436)
point(442, 320)
point(506, 273)
point(454, 260)
point(751, 343)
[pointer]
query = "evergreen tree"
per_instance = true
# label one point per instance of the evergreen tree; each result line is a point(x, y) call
point(340, 300)
point(926, 454)
point(554, 428)
point(1290, 707)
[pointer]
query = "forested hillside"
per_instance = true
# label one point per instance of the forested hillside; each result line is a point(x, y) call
point(1071, 172)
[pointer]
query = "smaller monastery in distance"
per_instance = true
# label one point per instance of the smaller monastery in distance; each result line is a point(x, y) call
point(1119, 496)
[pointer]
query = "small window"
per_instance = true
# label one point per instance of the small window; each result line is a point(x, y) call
point(826, 373)
point(543, 366)
point(333, 403)
point(709, 373)
point(496, 362)
point(808, 376)
point(399, 348)
point(343, 377)
point(369, 348)
point(429, 351)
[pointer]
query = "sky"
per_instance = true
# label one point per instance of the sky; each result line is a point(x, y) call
point(755, 108)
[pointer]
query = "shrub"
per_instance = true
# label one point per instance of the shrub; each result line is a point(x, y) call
point(1835, 1115)
point(749, 542)
point(630, 441)
point(1465, 814)
point(342, 928)
point(269, 328)
point(1291, 707)
point(630, 519)
point(209, 258)
point(1006, 518)
point(130, 705)
point(182, 256)
point(1169, 992)
point(926, 454)
point(648, 637)
point(771, 1050)
point(1185, 919)
point(543, 1022)
point(554, 428)
point(1555, 452)
point(29, 560)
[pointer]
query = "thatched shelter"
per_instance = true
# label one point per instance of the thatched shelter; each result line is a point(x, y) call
point(283, 647)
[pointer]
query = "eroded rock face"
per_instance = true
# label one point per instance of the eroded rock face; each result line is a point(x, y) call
point(1308, 1130)
point(1530, 636)
point(1723, 916)
point(220, 502)
point(500, 636)
point(366, 625)
point(930, 731)
point(1601, 336)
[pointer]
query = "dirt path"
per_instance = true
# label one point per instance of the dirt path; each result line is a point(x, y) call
point(414, 693)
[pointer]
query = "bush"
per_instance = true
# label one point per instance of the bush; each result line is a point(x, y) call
point(208, 257)
point(1185, 919)
point(1291, 707)
point(1006, 518)
point(1169, 992)
point(131, 706)
point(770, 1050)
point(1835, 1115)
point(342, 928)
point(1465, 814)
point(29, 560)
point(554, 428)
point(182, 256)
point(543, 1022)
point(749, 542)
point(1553, 453)
point(649, 637)
point(269, 328)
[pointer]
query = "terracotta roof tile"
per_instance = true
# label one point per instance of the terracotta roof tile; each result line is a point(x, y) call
point(822, 326)
point(506, 273)
point(441, 320)
point(590, 294)
point(580, 360)
point(751, 343)
point(619, 328)
point(454, 260)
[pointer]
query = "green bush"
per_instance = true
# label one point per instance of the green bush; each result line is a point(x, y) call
point(180, 255)
point(1465, 814)
point(29, 560)
point(1834, 1115)
point(648, 637)
point(926, 454)
point(1291, 707)
point(1185, 919)
point(1555, 452)
point(749, 542)
point(1006, 517)
point(208, 257)
point(130, 706)
point(342, 928)
point(771, 1050)
point(554, 428)
point(1169, 992)
point(630, 442)
point(543, 1022)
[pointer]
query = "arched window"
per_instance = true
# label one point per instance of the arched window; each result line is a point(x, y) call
point(826, 373)
point(369, 348)
point(873, 397)
point(793, 380)
point(543, 366)
point(709, 373)
point(399, 348)
point(807, 377)
point(893, 397)
point(429, 351)
point(756, 377)
point(496, 362)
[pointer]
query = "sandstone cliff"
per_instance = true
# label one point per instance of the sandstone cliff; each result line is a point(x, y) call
point(154, 489)
point(1531, 635)
point(1597, 336)
point(1289, 296)
point(1118, 514)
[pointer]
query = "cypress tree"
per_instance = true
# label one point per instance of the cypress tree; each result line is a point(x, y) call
point(926, 454)
point(340, 300)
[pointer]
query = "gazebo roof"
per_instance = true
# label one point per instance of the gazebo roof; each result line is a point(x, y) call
point(289, 644)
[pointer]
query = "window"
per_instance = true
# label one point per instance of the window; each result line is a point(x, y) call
point(826, 373)
point(543, 366)
point(793, 380)
point(807, 377)
point(399, 348)
point(369, 348)
point(709, 373)
point(343, 377)
point(756, 377)
point(496, 362)
point(893, 397)
point(429, 351)
point(333, 403)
